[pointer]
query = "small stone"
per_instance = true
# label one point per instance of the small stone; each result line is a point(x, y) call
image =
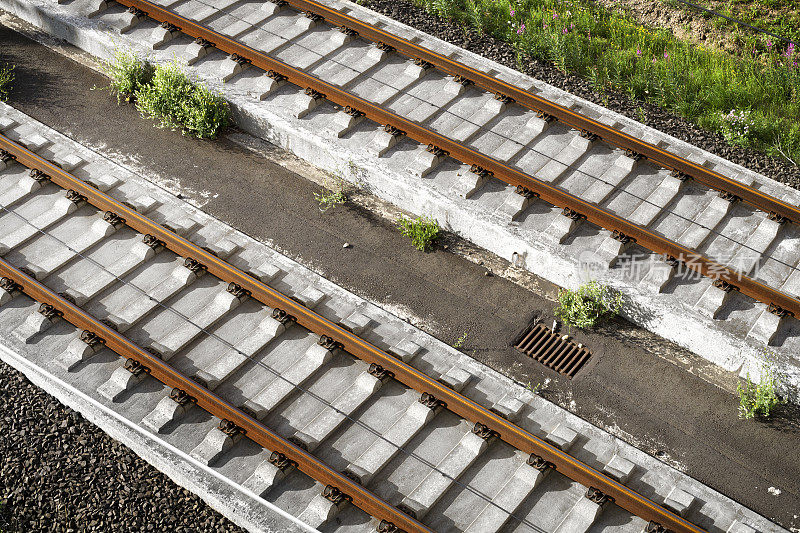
point(347, 245)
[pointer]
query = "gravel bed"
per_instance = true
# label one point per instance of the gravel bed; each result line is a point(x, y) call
point(59, 472)
point(656, 117)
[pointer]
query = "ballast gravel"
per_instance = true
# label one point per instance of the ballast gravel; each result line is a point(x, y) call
point(60, 473)
point(656, 117)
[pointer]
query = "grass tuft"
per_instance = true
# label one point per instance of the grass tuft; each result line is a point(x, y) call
point(422, 231)
point(6, 78)
point(588, 305)
point(177, 102)
point(759, 400)
point(460, 342)
point(128, 74)
point(165, 93)
point(328, 199)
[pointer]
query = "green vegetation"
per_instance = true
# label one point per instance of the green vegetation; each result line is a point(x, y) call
point(177, 102)
point(616, 53)
point(422, 231)
point(165, 93)
point(588, 305)
point(328, 199)
point(758, 400)
point(128, 74)
point(334, 192)
point(535, 389)
point(460, 342)
point(6, 77)
point(777, 16)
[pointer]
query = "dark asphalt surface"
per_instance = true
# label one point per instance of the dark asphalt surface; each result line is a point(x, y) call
point(643, 398)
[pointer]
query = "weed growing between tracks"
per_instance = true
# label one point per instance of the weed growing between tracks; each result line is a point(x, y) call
point(422, 231)
point(6, 77)
point(165, 93)
point(588, 305)
point(616, 53)
point(177, 102)
point(128, 74)
point(334, 193)
point(328, 199)
point(758, 400)
point(460, 342)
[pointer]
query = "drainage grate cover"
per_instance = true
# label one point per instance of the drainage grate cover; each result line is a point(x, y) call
point(548, 348)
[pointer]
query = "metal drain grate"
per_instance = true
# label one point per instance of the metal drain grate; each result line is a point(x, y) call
point(542, 344)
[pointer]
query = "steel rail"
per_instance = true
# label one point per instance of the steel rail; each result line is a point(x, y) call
point(568, 116)
point(517, 437)
point(214, 404)
point(777, 300)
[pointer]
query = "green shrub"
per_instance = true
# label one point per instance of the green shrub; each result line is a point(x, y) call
point(165, 93)
point(6, 77)
point(176, 102)
point(758, 399)
point(588, 305)
point(422, 231)
point(128, 74)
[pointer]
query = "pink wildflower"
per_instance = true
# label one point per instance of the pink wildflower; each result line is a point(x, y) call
point(566, 31)
point(666, 55)
point(638, 53)
point(769, 44)
point(654, 59)
point(511, 12)
point(521, 29)
point(555, 15)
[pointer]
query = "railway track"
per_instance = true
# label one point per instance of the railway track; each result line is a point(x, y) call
point(246, 362)
point(548, 172)
point(548, 153)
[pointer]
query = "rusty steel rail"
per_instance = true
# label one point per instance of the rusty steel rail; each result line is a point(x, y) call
point(569, 117)
point(514, 435)
point(775, 299)
point(207, 400)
